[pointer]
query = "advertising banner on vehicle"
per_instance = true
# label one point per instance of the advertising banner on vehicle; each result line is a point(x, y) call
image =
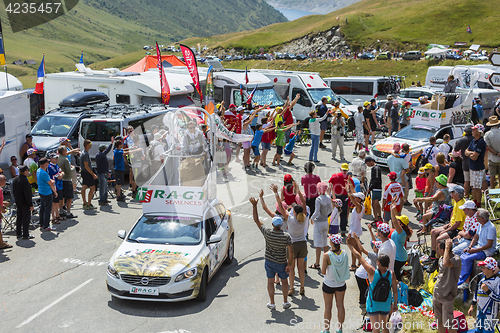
point(171, 199)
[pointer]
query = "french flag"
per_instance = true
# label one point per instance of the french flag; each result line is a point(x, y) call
point(249, 100)
point(41, 75)
point(246, 75)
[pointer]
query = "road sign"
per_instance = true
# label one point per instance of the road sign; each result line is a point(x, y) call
point(495, 79)
point(495, 58)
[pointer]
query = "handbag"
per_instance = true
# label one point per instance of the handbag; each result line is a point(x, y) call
point(368, 205)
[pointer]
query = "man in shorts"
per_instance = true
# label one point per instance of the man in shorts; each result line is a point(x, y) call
point(278, 246)
point(88, 176)
point(492, 139)
point(68, 170)
point(461, 145)
point(359, 121)
point(119, 160)
point(375, 187)
point(475, 152)
point(445, 289)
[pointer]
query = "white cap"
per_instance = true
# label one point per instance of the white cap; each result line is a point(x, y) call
point(468, 204)
point(359, 195)
point(239, 108)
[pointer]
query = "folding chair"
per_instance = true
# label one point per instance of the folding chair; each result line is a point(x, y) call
point(492, 203)
point(9, 218)
point(36, 210)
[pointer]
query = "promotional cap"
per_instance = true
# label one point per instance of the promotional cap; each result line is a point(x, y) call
point(335, 238)
point(469, 204)
point(488, 263)
point(287, 178)
point(428, 166)
point(366, 103)
point(31, 151)
point(421, 171)
point(457, 189)
point(442, 179)
point(61, 140)
point(102, 147)
point(479, 127)
point(377, 244)
point(396, 147)
point(232, 106)
point(359, 195)
point(344, 166)
point(384, 228)
point(404, 219)
point(277, 221)
point(392, 175)
point(338, 202)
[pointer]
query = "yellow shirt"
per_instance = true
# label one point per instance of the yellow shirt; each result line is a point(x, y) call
point(277, 120)
point(341, 111)
point(458, 214)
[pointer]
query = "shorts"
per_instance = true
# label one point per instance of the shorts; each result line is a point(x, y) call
point(320, 234)
point(376, 195)
point(299, 249)
point(279, 150)
point(330, 290)
point(388, 121)
point(376, 313)
point(365, 131)
point(273, 268)
point(476, 178)
point(419, 194)
point(59, 196)
point(359, 137)
point(443, 312)
point(466, 176)
point(256, 151)
point(266, 145)
point(494, 169)
point(119, 177)
point(87, 179)
point(288, 152)
point(387, 216)
point(247, 144)
point(323, 125)
point(67, 191)
point(453, 233)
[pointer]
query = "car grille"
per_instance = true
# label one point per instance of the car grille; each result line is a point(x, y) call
point(40, 154)
point(379, 153)
point(152, 281)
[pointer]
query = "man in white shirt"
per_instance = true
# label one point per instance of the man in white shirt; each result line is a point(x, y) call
point(359, 122)
point(492, 139)
point(388, 246)
point(431, 151)
point(358, 167)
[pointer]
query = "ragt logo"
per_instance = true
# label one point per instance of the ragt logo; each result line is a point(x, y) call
point(144, 195)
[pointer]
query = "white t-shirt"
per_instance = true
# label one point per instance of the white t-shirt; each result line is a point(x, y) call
point(358, 120)
point(296, 229)
point(432, 154)
point(158, 150)
point(370, 259)
point(445, 149)
point(389, 248)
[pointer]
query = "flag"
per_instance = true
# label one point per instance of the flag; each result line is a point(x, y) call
point(190, 61)
point(81, 58)
point(164, 88)
point(241, 91)
point(41, 74)
point(2, 51)
point(246, 75)
point(249, 100)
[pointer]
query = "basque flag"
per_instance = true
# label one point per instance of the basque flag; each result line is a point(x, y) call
point(41, 75)
point(246, 75)
point(249, 100)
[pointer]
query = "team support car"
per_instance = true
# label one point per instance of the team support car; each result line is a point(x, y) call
point(417, 137)
point(168, 257)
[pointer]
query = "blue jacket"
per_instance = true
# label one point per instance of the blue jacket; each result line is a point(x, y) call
point(101, 160)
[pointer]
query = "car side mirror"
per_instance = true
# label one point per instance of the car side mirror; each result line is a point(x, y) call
point(214, 239)
point(122, 234)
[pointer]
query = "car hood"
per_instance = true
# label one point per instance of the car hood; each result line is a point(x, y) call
point(45, 142)
point(387, 144)
point(153, 259)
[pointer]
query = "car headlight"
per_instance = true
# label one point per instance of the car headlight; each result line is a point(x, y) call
point(186, 275)
point(112, 271)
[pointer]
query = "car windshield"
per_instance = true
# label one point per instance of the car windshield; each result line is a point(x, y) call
point(343, 100)
point(266, 96)
point(319, 93)
point(166, 230)
point(415, 133)
point(57, 126)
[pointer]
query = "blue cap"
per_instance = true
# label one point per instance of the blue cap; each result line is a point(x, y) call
point(277, 221)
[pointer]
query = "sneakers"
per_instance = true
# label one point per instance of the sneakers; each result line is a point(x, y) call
point(47, 229)
point(407, 203)
point(463, 286)
point(321, 145)
point(290, 164)
point(333, 157)
point(88, 206)
point(71, 216)
point(287, 305)
point(103, 203)
point(355, 152)
point(271, 306)
point(429, 260)
point(120, 198)
point(417, 214)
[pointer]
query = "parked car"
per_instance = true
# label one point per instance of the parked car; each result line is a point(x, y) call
point(289, 56)
point(384, 56)
point(412, 55)
point(367, 56)
point(228, 58)
point(478, 57)
point(453, 56)
point(237, 57)
point(301, 57)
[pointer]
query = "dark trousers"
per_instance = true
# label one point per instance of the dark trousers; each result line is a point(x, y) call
point(449, 101)
point(363, 287)
point(23, 221)
point(397, 268)
point(45, 210)
point(343, 213)
point(311, 203)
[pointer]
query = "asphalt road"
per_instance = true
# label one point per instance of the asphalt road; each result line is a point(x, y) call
point(57, 281)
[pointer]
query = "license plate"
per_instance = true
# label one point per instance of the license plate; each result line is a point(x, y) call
point(144, 291)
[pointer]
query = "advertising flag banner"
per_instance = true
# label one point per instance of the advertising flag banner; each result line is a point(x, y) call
point(190, 60)
point(209, 90)
point(2, 50)
point(165, 89)
point(222, 132)
point(41, 76)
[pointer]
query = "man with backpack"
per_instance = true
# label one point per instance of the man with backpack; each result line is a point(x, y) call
point(430, 153)
point(445, 289)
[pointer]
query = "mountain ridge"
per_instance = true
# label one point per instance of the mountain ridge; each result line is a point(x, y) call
point(315, 6)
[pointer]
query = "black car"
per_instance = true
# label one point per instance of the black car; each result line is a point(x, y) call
point(453, 56)
point(301, 57)
point(367, 56)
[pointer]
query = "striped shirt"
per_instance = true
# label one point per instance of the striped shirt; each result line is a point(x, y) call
point(276, 244)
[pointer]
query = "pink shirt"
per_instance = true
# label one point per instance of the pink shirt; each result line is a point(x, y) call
point(310, 183)
point(421, 182)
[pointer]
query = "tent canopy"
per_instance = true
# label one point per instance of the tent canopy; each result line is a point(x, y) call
point(436, 51)
point(150, 61)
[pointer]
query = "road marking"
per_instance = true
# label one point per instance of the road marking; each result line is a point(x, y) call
point(27, 321)
point(246, 202)
point(83, 262)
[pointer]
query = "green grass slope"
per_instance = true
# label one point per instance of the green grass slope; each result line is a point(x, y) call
point(393, 22)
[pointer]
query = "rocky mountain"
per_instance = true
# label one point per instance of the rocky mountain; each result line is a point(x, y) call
point(314, 6)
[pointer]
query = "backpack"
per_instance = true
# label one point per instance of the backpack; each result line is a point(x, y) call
point(415, 298)
point(351, 124)
point(425, 159)
point(367, 325)
point(382, 289)
point(403, 293)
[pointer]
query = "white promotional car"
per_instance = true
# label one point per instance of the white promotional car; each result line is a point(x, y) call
point(171, 255)
point(417, 137)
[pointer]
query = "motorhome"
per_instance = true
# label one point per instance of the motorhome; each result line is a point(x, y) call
point(357, 89)
point(120, 86)
point(309, 85)
point(14, 125)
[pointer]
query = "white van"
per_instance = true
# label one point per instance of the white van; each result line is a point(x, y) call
point(309, 85)
point(358, 89)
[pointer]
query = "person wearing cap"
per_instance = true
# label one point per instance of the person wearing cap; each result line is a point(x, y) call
point(309, 182)
point(21, 190)
point(394, 115)
point(71, 152)
point(387, 113)
point(405, 114)
point(402, 232)
point(479, 109)
point(88, 176)
point(461, 145)
point(486, 296)
point(337, 137)
point(430, 185)
point(375, 187)
point(289, 147)
point(46, 190)
point(367, 129)
point(278, 248)
point(456, 173)
point(492, 139)
point(373, 119)
point(323, 208)
point(315, 131)
point(388, 246)
point(32, 166)
point(483, 245)
point(471, 227)
point(359, 122)
point(321, 115)
point(476, 152)
point(399, 166)
point(29, 144)
point(393, 192)
point(68, 170)
point(280, 142)
point(337, 183)
point(358, 168)
point(445, 147)
point(289, 190)
point(441, 197)
point(335, 274)
point(445, 289)
point(130, 142)
point(155, 151)
point(56, 175)
point(358, 212)
point(102, 168)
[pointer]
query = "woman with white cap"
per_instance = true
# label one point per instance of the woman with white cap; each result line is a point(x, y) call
point(323, 208)
point(335, 271)
point(357, 199)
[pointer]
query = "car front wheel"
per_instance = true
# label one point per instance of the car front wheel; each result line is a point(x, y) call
point(230, 251)
point(202, 294)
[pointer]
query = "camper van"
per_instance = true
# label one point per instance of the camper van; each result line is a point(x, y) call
point(14, 125)
point(121, 87)
point(309, 85)
point(357, 89)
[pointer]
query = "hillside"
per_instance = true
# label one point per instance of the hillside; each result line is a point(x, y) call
point(315, 6)
point(395, 24)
